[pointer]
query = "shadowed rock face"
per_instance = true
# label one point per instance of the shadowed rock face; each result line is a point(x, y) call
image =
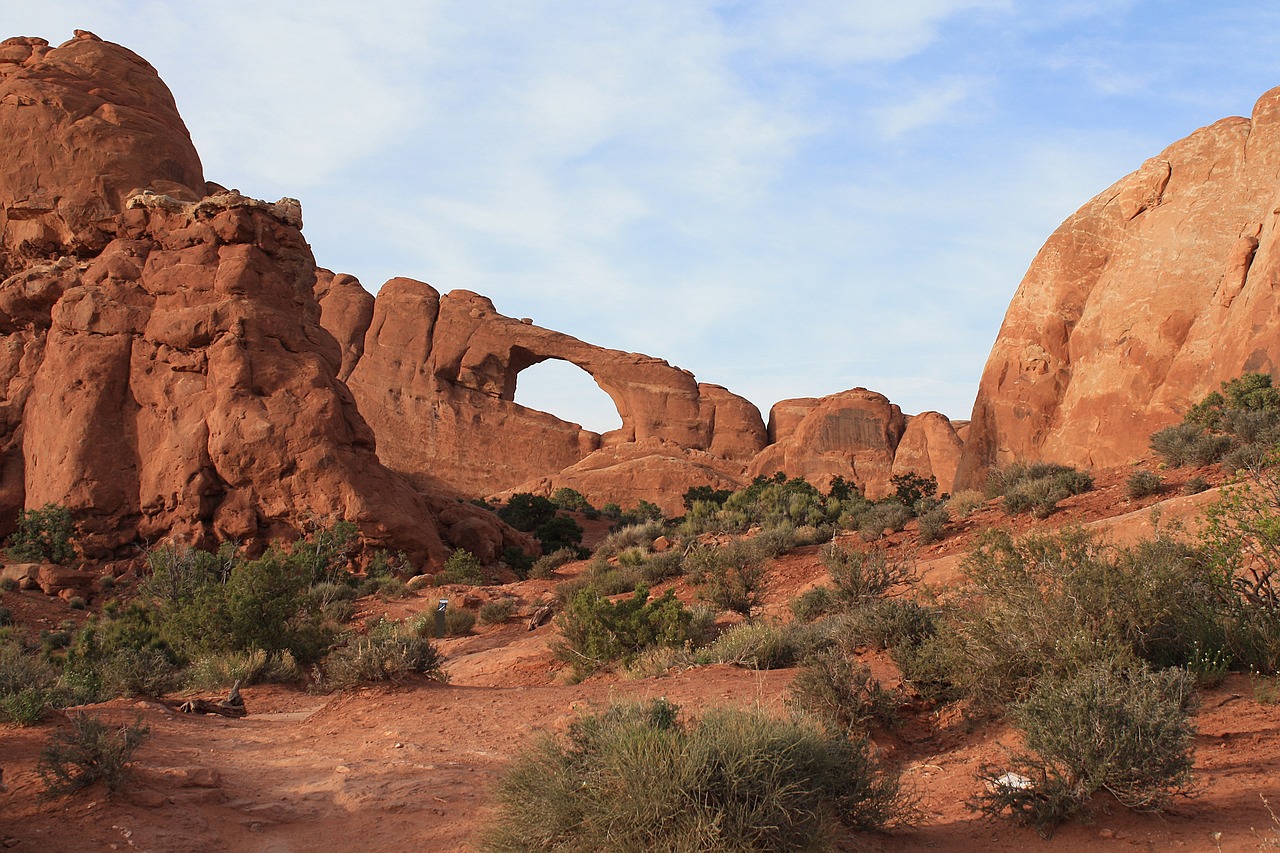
point(1146, 299)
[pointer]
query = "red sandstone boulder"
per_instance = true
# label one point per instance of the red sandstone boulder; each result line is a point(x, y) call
point(853, 435)
point(930, 447)
point(1156, 291)
point(94, 125)
point(57, 580)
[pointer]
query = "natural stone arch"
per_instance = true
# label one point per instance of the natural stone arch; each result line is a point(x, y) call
point(565, 374)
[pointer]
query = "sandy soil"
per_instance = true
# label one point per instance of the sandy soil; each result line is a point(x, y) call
point(411, 767)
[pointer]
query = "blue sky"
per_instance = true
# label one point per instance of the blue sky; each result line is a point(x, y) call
point(786, 198)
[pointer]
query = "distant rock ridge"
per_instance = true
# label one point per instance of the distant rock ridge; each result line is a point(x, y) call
point(1147, 298)
point(175, 367)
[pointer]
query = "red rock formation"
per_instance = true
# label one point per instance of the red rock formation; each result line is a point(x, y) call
point(164, 372)
point(1146, 299)
point(853, 435)
point(436, 379)
point(93, 125)
point(930, 447)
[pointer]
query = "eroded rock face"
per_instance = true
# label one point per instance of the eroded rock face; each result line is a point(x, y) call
point(853, 434)
point(92, 124)
point(1146, 299)
point(163, 370)
point(436, 378)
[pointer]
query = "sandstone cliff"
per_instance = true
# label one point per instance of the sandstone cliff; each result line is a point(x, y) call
point(1142, 302)
point(164, 371)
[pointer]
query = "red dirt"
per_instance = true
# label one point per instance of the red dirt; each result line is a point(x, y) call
point(412, 767)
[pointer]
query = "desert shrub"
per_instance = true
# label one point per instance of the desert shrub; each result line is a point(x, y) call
point(911, 487)
point(123, 653)
point(1037, 488)
point(212, 603)
point(814, 604)
point(705, 494)
point(389, 651)
point(963, 503)
point(882, 624)
point(87, 750)
point(1050, 605)
point(736, 578)
point(639, 535)
point(1195, 485)
point(875, 518)
point(458, 622)
point(545, 566)
point(656, 568)
point(597, 632)
point(775, 540)
point(221, 671)
point(859, 576)
point(6, 616)
point(1143, 484)
point(1242, 539)
point(28, 684)
point(1122, 730)
point(766, 502)
point(461, 568)
point(538, 515)
point(1236, 425)
point(43, 535)
point(636, 778)
point(497, 612)
point(932, 523)
point(841, 692)
point(763, 645)
point(569, 499)
point(323, 552)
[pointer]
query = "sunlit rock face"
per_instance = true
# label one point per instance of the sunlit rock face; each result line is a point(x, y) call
point(1147, 298)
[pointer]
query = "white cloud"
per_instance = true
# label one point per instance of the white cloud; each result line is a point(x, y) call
point(927, 106)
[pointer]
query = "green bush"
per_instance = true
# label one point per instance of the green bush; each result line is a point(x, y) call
point(963, 503)
point(1037, 488)
point(43, 535)
point(1236, 425)
point(458, 622)
point(640, 535)
point(736, 577)
point(29, 685)
point(497, 612)
point(1053, 604)
point(88, 750)
point(814, 604)
point(1122, 730)
point(860, 576)
point(874, 519)
point(220, 671)
point(389, 651)
point(569, 499)
point(911, 487)
point(1142, 484)
point(636, 778)
point(461, 568)
point(545, 566)
point(842, 692)
point(763, 645)
point(932, 523)
point(597, 632)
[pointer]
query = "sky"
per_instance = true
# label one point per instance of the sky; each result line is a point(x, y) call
point(788, 199)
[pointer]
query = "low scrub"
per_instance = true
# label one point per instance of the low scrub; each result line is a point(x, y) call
point(859, 576)
point(29, 685)
point(842, 692)
point(1123, 730)
point(389, 651)
point(87, 750)
point(638, 778)
point(763, 645)
point(1037, 488)
point(1236, 425)
point(597, 632)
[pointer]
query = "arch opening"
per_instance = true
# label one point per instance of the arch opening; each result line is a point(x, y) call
point(568, 392)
